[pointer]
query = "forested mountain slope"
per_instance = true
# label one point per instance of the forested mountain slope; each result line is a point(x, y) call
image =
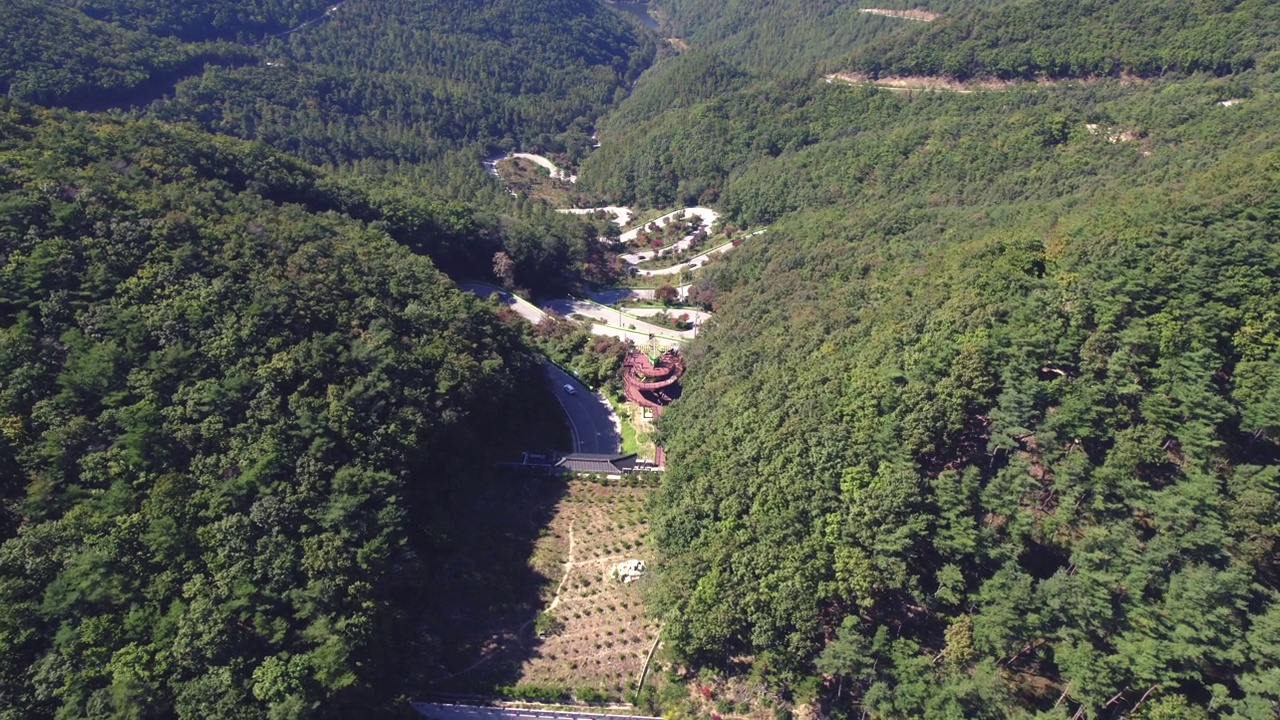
point(972, 448)
point(395, 82)
point(241, 20)
point(405, 81)
point(988, 426)
point(53, 54)
point(1070, 38)
point(789, 37)
point(229, 412)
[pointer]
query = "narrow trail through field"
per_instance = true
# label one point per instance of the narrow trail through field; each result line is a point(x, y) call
point(501, 647)
point(568, 568)
point(506, 642)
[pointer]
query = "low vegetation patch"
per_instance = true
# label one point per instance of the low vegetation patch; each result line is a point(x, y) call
point(527, 177)
point(603, 633)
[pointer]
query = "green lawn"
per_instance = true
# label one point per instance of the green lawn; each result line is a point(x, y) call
point(633, 441)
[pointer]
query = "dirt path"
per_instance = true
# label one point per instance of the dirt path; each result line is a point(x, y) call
point(916, 14)
point(920, 82)
point(556, 172)
point(568, 568)
point(328, 12)
point(506, 642)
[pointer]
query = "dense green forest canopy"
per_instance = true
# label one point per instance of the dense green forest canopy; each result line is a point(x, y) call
point(228, 415)
point(1081, 38)
point(392, 83)
point(407, 95)
point(788, 36)
point(245, 21)
point(988, 425)
point(53, 54)
point(404, 81)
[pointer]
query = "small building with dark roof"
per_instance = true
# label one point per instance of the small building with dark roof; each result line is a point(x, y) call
point(608, 463)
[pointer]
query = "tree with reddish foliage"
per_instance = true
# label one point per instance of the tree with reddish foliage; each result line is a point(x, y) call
point(504, 268)
point(703, 294)
point(667, 294)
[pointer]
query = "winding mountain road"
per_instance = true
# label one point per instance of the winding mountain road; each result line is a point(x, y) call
point(556, 172)
point(706, 217)
point(697, 261)
point(612, 323)
point(614, 318)
point(596, 429)
point(594, 424)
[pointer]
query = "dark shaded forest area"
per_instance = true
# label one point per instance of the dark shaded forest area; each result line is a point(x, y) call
point(987, 424)
point(229, 412)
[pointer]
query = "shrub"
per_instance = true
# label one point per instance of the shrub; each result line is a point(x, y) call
point(546, 625)
point(591, 695)
point(542, 693)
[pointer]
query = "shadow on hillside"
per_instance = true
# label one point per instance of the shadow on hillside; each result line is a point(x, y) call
point(481, 626)
point(476, 543)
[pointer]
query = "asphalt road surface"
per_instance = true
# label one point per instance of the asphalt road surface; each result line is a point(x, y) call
point(611, 316)
point(534, 314)
point(589, 415)
point(614, 295)
point(523, 307)
point(441, 711)
point(706, 216)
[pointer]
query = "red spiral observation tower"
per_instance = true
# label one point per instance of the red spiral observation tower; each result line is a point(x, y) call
point(652, 382)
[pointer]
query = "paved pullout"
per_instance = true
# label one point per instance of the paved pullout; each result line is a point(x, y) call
point(624, 319)
point(613, 296)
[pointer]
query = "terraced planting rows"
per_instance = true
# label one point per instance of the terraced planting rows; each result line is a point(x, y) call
point(594, 630)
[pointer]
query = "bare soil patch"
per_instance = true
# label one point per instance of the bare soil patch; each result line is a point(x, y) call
point(937, 83)
point(546, 613)
point(918, 14)
point(599, 633)
point(525, 176)
point(921, 82)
